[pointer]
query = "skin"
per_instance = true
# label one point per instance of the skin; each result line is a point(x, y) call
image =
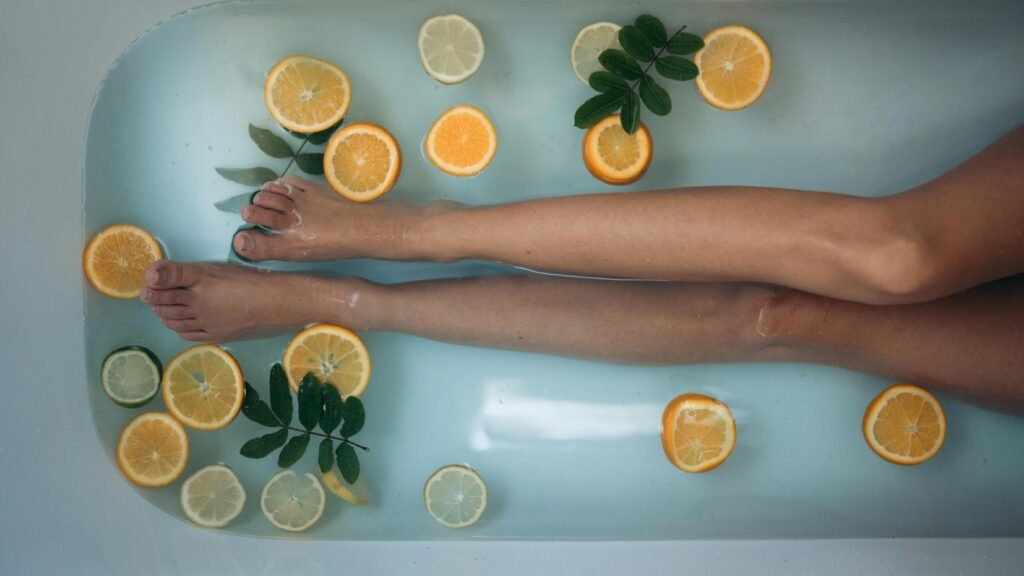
point(876, 285)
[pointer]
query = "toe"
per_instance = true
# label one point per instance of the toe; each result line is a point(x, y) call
point(171, 297)
point(175, 312)
point(196, 336)
point(265, 217)
point(274, 201)
point(169, 274)
point(260, 246)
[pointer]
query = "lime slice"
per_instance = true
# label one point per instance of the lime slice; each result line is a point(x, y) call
point(131, 376)
point(293, 502)
point(455, 496)
point(589, 43)
point(212, 497)
point(451, 48)
point(358, 493)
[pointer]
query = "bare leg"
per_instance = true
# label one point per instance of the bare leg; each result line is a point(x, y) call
point(969, 343)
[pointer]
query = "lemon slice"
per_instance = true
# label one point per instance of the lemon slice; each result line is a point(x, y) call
point(455, 496)
point(131, 376)
point(589, 43)
point(905, 425)
point(335, 355)
point(116, 259)
point(697, 432)
point(306, 94)
point(293, 502)
point(346, 491)
point(212, 497)
point(152, 449)
point(204, 387)
point(451, 48)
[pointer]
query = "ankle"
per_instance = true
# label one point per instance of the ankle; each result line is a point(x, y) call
point(345, 301)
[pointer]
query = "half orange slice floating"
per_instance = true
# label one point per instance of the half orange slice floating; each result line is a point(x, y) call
point(152, 450)
point(735, 65)
point(116, 259)
point(306, 94)
point(462, 142)
point(335, 355)
point(904, 424)
point(697, 432)
point(615, 157)
point(362, 161)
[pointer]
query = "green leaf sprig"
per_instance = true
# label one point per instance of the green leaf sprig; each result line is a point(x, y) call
point(318, 405)
point(625, 82)
point(276, 147)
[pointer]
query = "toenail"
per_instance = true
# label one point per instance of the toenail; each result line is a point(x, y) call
point(247, 243)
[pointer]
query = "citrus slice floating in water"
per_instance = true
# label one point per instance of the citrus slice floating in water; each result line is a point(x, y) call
point(451, 48)
point(306, 94)
point(905, 424)
point(131, 376)
point(455, 496)
point(462, 142)
point(204, 387)
point(116, 259)
point(735, 65)
point(346, 491)
point(212, 497)
point(335, 355)
point(362, 161)
point(615, 157)
point(697, 432)
point(293, 502)
point(590, 42)
point(152, 449)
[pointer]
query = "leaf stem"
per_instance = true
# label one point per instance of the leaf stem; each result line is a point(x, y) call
point(322, 435)
point(656, 56)
point(306, 140)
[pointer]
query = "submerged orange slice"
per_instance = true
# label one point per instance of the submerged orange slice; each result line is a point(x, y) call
point(203, 387)
point(306, 94)
point(335, 355)
point(697, 432)
point(116, 259)
point(615, 157)
point(152, 450)
point(905, 424)
point(735, 65)
point(462, 142)
point(362, 161)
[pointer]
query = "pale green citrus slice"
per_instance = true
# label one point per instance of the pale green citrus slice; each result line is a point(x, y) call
point(131, 376)
point(451, 48)
point(455, 496)
point(358, 493)
point(293, 502)
point(589, 43)
point(212, 497)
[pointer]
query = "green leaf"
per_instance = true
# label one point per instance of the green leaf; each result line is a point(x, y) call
point(262, 446)
point(654, 96)
point(630, 118)
point(636, 43)
point(249, 176)
point(326, 457)
point(323, 136)
point(676, 68)
point(271, 144)
point(652, 27)
point(355, 417)
point(234, 204)
point(257, 410)
point(309, 401)
point(348, 462)
point(293, 450)
point(604, 81)
point(310, 162)
point(618, 62)
point(685, 43)
point(333, 408)
point(280, 394)
point(597, 108)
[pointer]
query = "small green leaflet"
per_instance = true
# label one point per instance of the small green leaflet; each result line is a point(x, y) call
point(604, 81)
point(652, 28)
point(280, 394)
point(271, 144)
point(310, 402)
point(310, 162)
point(262, 446)
point(685, 43)
point(654, 96)
point(355, 417)
point(326, 457)
point(249, 176)
point(630, 118)
point(676, 68)
point(348, 463)
point(598, 108)
point(293, 451)
point(618, 62)
point(636, 43)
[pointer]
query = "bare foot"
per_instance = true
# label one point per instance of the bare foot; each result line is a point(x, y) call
point(308, 221)
point(223, 302)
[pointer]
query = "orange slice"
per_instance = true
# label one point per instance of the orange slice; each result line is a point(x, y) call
point(462, 142)
point(905, 424)
point(697, 432)
point(116, 259)
point(203, 387)
point(735, 65)
point(306, 94)
point(614, 157)
point(362, 161)
point(335, 355)
point(152, 450)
